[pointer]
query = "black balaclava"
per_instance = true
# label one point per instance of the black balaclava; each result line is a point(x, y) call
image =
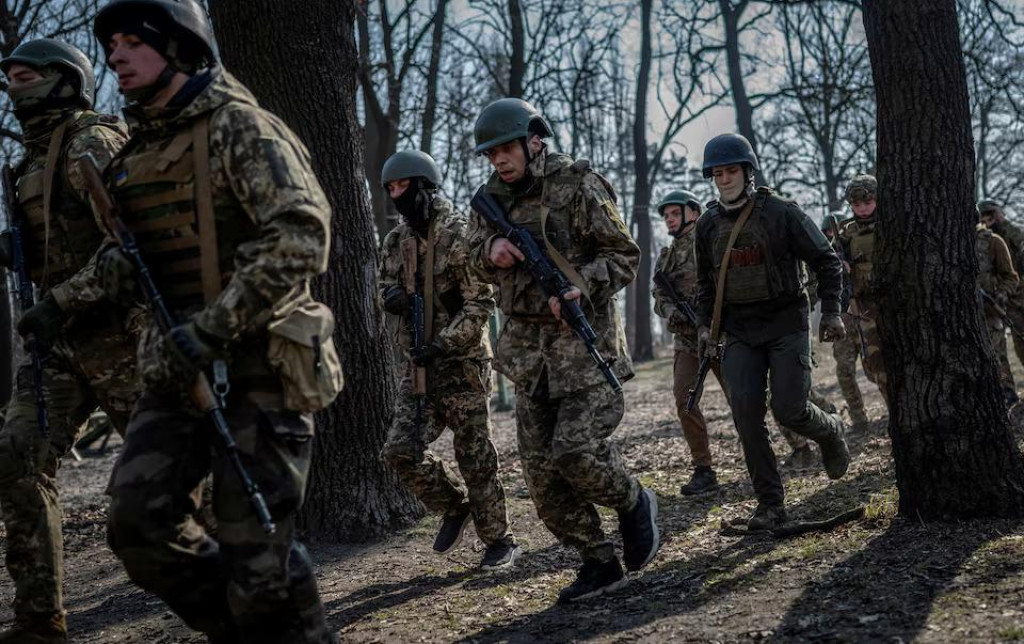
point(414, 204)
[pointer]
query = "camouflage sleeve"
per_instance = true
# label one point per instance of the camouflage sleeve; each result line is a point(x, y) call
point(705, 272)
point(811, 246)
point(268, 170)
point(1006, 278)
point(99, 143)
point(386, 275)
point(478, 248)
point(663, 305)
point(617, 257)
point(462, 332)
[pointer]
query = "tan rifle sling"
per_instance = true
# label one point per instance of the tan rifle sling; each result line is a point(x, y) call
point(716, 318)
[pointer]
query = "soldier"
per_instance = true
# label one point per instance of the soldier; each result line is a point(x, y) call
point(565, 409)
point(992, 216)
point(857, 244)
point(456, 357)
point(845, 350)
point(229, 216)
point(749, 285)
point(88, 356)
point(999, 281)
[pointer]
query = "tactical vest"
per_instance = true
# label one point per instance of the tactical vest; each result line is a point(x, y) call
point(754, 274)
point(155, 183)
point(986, 267)
point(862, 248)
point(73, 233)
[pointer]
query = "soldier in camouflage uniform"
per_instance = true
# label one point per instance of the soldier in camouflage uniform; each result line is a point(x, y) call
point(992, 216)
point(760, 302)
point(565, 409)
point(88, 356)
point(857, 244)
point(456, 357)
point(999, 280)
point(231, 220)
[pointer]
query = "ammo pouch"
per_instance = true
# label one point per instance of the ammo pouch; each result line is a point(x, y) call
point(301, 350)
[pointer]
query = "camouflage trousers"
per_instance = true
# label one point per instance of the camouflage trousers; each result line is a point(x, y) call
point(570, 465)
point(459, 400)
point(89, 369)
point(997, 337)
point(246, 585)
point(865, 332)
point(845, 352)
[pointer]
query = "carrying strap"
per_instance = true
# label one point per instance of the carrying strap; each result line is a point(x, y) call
point(560, 261)
point(428, 284)
point(49, 172)
point(716, 317)
point(209, 261)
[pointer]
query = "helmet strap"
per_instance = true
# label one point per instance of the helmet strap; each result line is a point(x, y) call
point(143, 95)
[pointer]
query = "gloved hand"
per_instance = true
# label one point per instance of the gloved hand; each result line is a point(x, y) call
point(831, 328)
point(431, 352)
point(396, 302)
point(173, 360)
point(678, 322)
point(6, 254)
point(43, 321)
point(116, 274)
point(705, 347)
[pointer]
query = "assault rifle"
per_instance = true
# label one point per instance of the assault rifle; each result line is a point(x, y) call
point(411, 281)
point(203, 395)
point(662, 281)
point(26, 296)
point(548, 277)
point(1001, 312)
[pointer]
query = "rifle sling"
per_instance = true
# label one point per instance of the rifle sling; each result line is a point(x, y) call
point(428, 285)
point(716, 317)
point(206, 222)
point(49, 172)
point(560, 261)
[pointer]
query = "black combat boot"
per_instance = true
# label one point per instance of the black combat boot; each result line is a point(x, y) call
point(767, 517)
point(703, 480)
point(594, 578)
point(835, 454)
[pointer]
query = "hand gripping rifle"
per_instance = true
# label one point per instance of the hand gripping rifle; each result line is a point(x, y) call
point(662, 281)
point(411, 282)
point(26, 296)
point(550, 279)
point(202, 393)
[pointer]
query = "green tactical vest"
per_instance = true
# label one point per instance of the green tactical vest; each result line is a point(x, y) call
point(862, 248)
point(752, 275)
point(154, 183)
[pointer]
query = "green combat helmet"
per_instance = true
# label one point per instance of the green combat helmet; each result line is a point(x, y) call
point(47, 52)
point(728, 149)
point(831, 222)
point(508, 119)
point(862, 187)
point(408, 164)
point(987, 204)
point(182, 26)
point(679, 198)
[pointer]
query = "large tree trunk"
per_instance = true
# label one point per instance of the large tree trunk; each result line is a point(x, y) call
point(732, 12)
point(517, 59)
point(300, 61)
point(954, 452)
point(642, 346)
point(433, 74)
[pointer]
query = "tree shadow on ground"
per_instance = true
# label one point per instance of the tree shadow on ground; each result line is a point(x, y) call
point(675, 588)
point(124, 603)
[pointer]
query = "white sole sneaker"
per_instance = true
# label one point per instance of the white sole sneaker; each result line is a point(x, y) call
point(604, 590)
point(458, 539)
point(508, 563)
point(653, 498)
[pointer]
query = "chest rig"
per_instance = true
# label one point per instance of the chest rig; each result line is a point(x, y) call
point(61, 234)
point(751, 275)
point(862, 248)
point(986, 267)
point(165, 191)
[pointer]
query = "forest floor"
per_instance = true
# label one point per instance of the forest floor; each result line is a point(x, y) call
point(882, 578)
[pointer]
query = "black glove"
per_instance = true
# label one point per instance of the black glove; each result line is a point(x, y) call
point(116, 274)
point(43, 321)
point(431, 352)
point(6, 256)
point(188, 348)
point(396, 301)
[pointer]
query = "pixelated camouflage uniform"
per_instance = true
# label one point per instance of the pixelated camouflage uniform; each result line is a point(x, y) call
point(272, 222)
point(458, 382)
point(565, 410)
point(858, 242)
point(1014, 238)
point(845, 352)
point(997, 277)
point(90, 363)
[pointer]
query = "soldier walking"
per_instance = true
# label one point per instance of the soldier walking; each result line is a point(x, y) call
point(565, 409)
point(425, 257)
point(233, 224)
point(88, 356)
point(994, 218)
point(750, 244)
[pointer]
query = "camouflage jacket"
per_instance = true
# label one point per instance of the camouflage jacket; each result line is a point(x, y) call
point(462, 302)
point(1014, 238)
point(75, 234)
point(679, 262)
point(272, 217)
point(857, 248)
point(995, 268)
point(585, 227)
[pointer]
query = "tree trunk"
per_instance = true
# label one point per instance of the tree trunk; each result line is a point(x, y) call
point(517, 61)
point(731, 15)
point(300, 61)
point(642, 347)
point(954, 452)
point(433, 73)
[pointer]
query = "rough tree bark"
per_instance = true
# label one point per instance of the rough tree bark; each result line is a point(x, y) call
point(642, 347)
point(954, 452)
point(300, 61)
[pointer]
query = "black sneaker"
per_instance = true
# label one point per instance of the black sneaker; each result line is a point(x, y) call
point(639, 529)
point(594, 578)
point(835, 454)
point(500, 555)
point(452, 526)
point(703, 480)
point(767, 517)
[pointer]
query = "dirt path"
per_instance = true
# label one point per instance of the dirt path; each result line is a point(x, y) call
point(879, 579)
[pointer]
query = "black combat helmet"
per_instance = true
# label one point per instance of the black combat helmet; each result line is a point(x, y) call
point(408, 164)
point(728, 149)
point(508, 119)
point(679, 198)
point(987, 204)
point(183, 22)
point(47, 52)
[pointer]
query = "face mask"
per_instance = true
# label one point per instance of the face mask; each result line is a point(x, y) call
point(36, 97)
point(414, 206)
point(732, 193)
